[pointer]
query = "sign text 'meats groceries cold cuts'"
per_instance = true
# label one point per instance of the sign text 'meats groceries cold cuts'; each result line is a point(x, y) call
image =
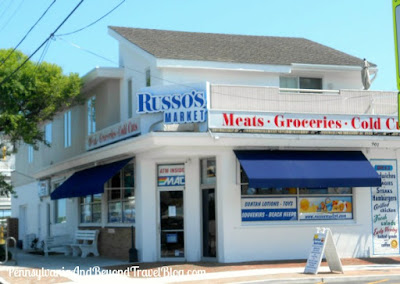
point(310, 122)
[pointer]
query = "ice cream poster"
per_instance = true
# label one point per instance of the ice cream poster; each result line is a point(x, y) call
point(326, 208)
point(384, 209)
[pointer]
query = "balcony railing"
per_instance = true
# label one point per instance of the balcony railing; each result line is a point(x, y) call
point(273, 99)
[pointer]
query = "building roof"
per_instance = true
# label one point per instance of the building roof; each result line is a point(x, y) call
point(235, 48)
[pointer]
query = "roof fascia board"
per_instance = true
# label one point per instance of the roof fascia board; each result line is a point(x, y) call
point(103, 72)
point(131, 45)
point(99, 74)
point(321, 67)
point(197, 64)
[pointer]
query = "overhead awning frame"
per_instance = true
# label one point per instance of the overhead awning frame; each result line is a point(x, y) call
point(89, 181)
point(307, 169)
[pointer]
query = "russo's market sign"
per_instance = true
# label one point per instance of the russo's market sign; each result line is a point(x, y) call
point(293, 121)
point(113, 134)
point(178, 104)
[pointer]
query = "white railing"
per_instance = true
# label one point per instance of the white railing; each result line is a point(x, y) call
point(274, 99)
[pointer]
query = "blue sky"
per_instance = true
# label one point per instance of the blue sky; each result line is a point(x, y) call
point(363, 28)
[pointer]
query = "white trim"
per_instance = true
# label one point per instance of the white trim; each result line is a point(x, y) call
point(196, 64)
point(325, 67)
point(155, 140)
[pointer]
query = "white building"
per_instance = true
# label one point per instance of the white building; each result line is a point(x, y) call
point(225, 147)
point(6, 167)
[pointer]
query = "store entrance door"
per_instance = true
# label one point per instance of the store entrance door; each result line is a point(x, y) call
point(209, 226)
point(172, 244)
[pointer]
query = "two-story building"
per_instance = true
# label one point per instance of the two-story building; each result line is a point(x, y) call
point(223, 147)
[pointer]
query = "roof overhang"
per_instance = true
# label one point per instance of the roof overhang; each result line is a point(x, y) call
point(325, 68)
point(100, 74)
point(226, 66)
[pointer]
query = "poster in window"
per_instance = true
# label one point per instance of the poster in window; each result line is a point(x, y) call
point(269, 209)
point(171, 175)
point(326, 208)
point(384, 209)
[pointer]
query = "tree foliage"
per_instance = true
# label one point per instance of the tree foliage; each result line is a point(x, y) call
point(32, 96)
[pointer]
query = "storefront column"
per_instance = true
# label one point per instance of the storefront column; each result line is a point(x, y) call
point(146, 219)
point(192, 209)
point(227, 200)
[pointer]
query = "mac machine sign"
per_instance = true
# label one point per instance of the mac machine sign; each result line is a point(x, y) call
point(179, 105)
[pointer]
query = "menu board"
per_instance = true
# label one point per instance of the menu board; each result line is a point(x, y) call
point(384, 211)
point(323, 243)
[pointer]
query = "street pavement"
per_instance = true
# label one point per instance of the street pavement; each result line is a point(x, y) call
point(67, 269)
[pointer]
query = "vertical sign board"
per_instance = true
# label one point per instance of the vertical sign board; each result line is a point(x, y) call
point(323, 243)
point(396, 29)
point(385, 209)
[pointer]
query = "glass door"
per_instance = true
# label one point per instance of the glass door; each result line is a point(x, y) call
point(171, 224)
point(209, 226)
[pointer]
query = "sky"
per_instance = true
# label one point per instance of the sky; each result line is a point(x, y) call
point(362, 28)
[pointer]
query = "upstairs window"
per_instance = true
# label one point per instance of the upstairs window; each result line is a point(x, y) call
point(67, 129)
point(91, 112)
point(148, 78)
point(48, 135)
point(130, 98)
point(30, 154)
point(300, 83)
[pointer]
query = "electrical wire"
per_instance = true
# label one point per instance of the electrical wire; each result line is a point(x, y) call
point(6, 9)
point(91, 24)
point(24, 37)
point(12, 16)
point(51, 36)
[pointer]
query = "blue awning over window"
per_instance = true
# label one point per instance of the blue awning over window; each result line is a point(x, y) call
point(89, 181)
point(310, 169)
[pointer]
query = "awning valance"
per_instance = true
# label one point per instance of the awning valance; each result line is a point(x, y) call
point(309, 169)
point(89, 181)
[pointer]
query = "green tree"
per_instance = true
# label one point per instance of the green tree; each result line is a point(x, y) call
point(30, 97)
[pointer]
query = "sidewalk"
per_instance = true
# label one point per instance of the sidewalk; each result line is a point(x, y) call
point(62, 269)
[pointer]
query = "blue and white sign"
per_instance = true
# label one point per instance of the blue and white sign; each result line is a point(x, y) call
point(179, 105)
point(269, 209)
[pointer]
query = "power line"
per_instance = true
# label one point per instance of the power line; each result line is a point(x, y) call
point(34, 25)
point(12, 16)
point(51, 36)
point(327, 99)
point(99, 19)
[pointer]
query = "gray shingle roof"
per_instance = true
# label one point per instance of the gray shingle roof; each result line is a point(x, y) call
point(234, 48)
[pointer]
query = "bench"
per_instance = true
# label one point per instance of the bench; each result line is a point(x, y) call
point(57, 244)
point(85, 242)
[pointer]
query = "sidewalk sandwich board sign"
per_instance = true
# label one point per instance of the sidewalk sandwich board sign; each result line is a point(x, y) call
point(323, 243)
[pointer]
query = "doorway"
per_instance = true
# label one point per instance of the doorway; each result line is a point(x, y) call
point(209, 226)
point(172, 243)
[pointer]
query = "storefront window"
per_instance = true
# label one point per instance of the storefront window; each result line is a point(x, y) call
point(295, 204)
point(60, 208)
point(121, 196)
point(91, 208)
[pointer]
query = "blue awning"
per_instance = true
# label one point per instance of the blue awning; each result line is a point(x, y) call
point(89, 181)
point(309, 169)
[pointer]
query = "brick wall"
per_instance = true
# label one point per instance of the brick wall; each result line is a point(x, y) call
point(114, 242)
